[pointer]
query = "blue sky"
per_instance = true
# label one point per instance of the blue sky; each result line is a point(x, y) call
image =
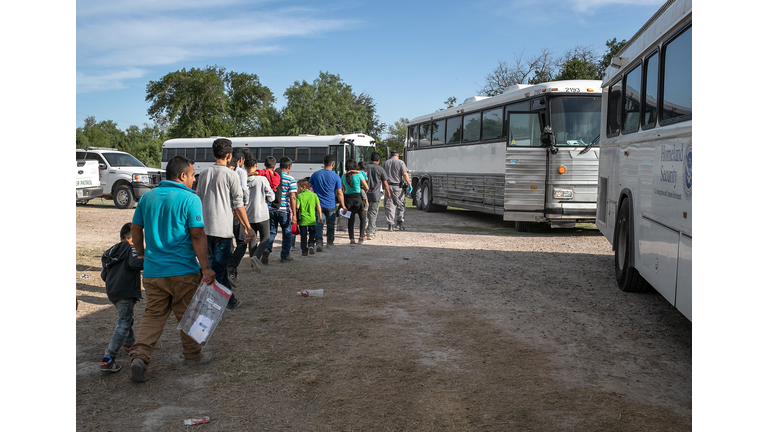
point(410, 56)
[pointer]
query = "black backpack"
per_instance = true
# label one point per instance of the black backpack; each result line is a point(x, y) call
point(275, 204)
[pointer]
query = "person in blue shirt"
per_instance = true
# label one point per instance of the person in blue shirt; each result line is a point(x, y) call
point(168, 235)
point(327, 185)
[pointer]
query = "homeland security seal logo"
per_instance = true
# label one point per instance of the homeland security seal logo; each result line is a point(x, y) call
point(687, 166)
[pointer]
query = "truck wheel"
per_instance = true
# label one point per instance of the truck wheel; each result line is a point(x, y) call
point(522, 226)
point(123, 197)
point(627, 277)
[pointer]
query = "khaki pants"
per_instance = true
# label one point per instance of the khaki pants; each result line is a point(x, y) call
point(163, 296)
point(394, 207)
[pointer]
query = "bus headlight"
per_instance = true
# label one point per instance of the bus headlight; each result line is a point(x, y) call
point(560, 193)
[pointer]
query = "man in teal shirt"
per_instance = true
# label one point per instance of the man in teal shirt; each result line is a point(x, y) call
point(169, 219)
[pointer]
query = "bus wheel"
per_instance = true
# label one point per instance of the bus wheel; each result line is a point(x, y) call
point(417, 196)
point(627, 277)
point(521, 226)
point(426, 199)
point(123, 197)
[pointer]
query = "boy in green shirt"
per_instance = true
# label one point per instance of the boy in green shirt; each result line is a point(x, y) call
point(308, 208)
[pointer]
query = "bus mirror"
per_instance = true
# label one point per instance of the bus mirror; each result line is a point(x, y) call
point(548, 139)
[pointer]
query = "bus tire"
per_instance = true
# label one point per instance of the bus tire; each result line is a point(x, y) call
point(521, 226)
point(123, 197)
point(426, 199)
point(627, 277)
point(417, 196)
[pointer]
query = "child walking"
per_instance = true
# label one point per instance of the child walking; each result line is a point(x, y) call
point(121, 271)
point(308, 208)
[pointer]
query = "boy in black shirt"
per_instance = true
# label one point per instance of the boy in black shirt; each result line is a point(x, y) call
point(121, 270)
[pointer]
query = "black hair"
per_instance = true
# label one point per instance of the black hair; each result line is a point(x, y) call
point(375, 157)
point(270, 162)
point(329, 159)
point(238, 153)
point(221, 148)
point(285, 163)
point(351, 166)
point(361, 166)
point(250, 160)
point(176, 166)
point(125, 232)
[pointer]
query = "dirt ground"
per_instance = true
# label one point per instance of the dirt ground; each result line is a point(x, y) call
point(457, 324)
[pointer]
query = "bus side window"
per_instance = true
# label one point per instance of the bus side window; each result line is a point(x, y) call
point(471, 127)
point(677, 85)
point(614, 110)
point(651, 81)
point(424, 135)
point(631, 104)
point(438, 133)
point(453, 130)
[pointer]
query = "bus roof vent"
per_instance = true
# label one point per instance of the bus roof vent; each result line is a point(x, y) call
point(515, 87)
point(474, 99)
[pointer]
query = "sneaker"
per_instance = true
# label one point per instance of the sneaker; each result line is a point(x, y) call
point(204, 359)
point(139, 370)
point(329, 244)
point(305, 254)
point(389, 228)
point(400, 226)
point(108, 364)
point(128, 350)
point(255, 264)
point(232, 275)
point(311, 250)
point(352, 241)
point(286, 259)
point(360, 240)
point(234, 305)
point(265, 257)
point(319, 248)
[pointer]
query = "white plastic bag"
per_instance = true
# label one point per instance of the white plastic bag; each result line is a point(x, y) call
point(204, 311)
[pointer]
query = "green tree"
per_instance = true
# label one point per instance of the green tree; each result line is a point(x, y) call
point(396, 134)
point(576, 68)
point(327, 106)
point(613, 48)
point(207, 102)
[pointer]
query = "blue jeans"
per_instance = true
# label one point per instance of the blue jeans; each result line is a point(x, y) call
point(123, 335)
point(219, 250)
point(284, 220)
point(330, 223)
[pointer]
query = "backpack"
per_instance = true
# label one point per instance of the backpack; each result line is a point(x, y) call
point(275, 204)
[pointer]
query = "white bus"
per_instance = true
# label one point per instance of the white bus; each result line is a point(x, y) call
point(644, 205)
point(306, 151)
point(487, 154)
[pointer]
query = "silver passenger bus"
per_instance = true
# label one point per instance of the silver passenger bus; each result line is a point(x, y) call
point(529, 154)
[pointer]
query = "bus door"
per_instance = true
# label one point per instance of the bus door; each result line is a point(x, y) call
point(525, 168)
point(338, 151)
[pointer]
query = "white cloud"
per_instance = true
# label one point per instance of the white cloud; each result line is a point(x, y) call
point(116, 36)
point(108, 80)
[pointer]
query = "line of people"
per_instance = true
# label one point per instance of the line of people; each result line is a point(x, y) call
point(180, 236)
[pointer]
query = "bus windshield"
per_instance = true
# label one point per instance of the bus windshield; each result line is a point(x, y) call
point(575, 120)
point(122, 160)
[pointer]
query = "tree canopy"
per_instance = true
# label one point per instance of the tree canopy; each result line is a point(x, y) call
point(581, 62)
point(328, 106)
point(206, 102)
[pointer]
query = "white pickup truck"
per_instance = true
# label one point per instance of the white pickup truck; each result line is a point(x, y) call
point(124, 179)
point(87, 179)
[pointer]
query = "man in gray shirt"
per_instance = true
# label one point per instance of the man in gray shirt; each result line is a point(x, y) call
point(377, 181)
point(220, 192)
point(394, 204)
